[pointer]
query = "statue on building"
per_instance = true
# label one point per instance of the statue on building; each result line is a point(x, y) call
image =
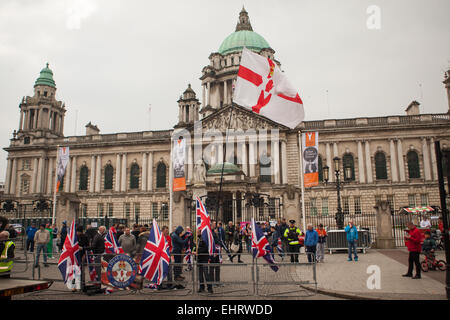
point(199, 172)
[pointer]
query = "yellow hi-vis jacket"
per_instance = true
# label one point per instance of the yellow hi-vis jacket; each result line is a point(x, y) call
point(6, 263)
point(295, 240)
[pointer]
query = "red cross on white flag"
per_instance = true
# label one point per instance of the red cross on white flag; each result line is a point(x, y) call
point(262, 87)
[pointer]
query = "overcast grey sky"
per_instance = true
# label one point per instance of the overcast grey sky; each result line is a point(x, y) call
point(112, 58)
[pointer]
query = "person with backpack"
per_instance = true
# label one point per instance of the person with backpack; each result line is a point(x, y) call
point(291, 235)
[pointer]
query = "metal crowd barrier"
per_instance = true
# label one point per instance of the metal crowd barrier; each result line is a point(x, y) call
point(337, 240)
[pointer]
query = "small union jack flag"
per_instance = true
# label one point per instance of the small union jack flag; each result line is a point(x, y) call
point(204, 224)
point(261, 246)
point(111, 245)
point(188, 251)
point(70, 256)
point(90, 264)
point(156, 256)
point(280, 248)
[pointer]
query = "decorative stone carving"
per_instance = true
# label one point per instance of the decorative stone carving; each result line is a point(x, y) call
point(239, 120)
point(290, 191)
point(199, 172)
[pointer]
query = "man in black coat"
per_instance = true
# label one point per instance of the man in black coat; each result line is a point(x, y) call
point(202, 259)
point(98, 248)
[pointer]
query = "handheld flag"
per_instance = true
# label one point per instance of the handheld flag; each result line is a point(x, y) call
point(111, 245)
point(204, 225)
point(156, 256)
point(263, 88)
point(70, 259)
point(261, 246)
point(90, 263)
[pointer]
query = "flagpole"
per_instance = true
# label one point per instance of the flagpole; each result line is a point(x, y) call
point(302, 183)
point(54, 187)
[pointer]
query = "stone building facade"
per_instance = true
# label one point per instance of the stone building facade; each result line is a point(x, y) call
point(128, 175)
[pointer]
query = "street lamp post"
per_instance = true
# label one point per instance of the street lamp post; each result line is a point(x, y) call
point(347, 176)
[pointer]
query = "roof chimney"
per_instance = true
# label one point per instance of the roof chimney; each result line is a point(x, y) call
point(91, 129)
point(413, 109)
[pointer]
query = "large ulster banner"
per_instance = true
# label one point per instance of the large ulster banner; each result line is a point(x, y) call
point(178, 160)
point(310, 147)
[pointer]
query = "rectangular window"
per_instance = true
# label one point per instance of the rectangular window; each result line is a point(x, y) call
point(390, 200)
point(313, 206)
point(100, 210)
point(25, 186)
point(307, 208)
point(155, 210)
point(411, 200)
point(110, 210)
point(127, 210)
point(164, 211)
point(324, 206)
point(424, 199)
point(345, 205)
point(137, 210)
point(84, 210)
point(357, 203)
point(26, 164)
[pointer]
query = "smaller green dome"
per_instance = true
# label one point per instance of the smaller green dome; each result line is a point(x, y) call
point(228, 168)
point(45, 78)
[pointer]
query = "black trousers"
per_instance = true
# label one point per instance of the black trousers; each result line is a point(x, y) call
point(311, 252)
point(177, 268)
point(30, 244)
point(294, 250)
point(414, 259)
point(203, 275)
point(214, 271)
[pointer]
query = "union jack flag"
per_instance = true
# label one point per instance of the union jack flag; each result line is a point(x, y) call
point(280, 248)
point(188, 252)
point(261, 246)
point(90, 264)
point(218, 252)
point(70, 255)
point(204, 224)
point(111, 245)
point(156, 257)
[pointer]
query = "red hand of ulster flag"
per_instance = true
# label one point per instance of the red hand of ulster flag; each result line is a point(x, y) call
point(261, 84)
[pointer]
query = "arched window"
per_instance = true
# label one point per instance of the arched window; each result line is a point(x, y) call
point(24, 184)
point(84, 173)
point(161, 175)
point(320, 169)
point(265, 171)
point(380, 166)
point(109, 172)
point(134, 176)
point(347, 161)
point(413, 165)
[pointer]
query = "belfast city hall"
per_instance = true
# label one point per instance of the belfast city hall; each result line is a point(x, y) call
point(129, 175)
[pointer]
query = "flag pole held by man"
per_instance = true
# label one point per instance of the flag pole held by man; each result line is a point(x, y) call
point(263, 88)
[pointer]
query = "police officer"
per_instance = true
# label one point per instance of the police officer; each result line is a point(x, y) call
point(291, 234)
point(7, 248)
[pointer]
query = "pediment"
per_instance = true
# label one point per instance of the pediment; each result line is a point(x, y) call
point(241, 118)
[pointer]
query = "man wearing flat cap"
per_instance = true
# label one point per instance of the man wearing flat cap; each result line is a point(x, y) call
point(291, 234)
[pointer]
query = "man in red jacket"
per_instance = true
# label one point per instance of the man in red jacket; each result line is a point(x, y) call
point(413, 238)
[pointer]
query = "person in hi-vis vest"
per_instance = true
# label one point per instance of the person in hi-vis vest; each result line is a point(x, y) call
point(7, 248)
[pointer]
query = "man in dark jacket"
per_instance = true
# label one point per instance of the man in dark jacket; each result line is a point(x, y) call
point(229, 233)
point(413, 238)
point(98, 248)
point(214, 271)
point(177, 246)
point(63, 235)
point(202, 259)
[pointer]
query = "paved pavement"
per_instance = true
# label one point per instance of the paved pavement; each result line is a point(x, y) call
point(348, 279)
point(337, 279)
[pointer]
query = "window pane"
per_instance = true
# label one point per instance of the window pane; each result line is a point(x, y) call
point(411, 200)
point(134, 176)
point(348, 161)
point(413, 165)
point(109, 172)
point(357, 201)
point(424, 200)
point(346, 205)
point(161, 175)
point(324, 206)
point(84, 172)
point(380, 166)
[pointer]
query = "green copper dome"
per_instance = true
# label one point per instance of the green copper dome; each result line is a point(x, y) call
point(228, 168)
point(46, 78)
point(240, 39)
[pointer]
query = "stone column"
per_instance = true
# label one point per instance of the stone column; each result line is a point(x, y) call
point(252, 158)
point(73, 179)
point(284, 175)
point(329, 161)
point(21, 119)
point(384, 226)
point(219, 148)
point(124, 173)
point(394, 173)
point(362, 175)
point(335, 150)
point(190, 164)
point(426, 159)
point(203, 95)
point(401, 163)
point(50, 176)
point(117, 185)
point(368, 162)
point(98, 175)
point(14, 176)
point(62, 125)
point(8, 176)
point(208, 94)
point(244, 157)
point(35, 118)
point(144, 172)
point(34, 177)
point(67, 176)
point(49, 119)
point(213, 155)
point(150, 172)
point(225, 92)
point(92, 177)
point(276, 161)
point(433, 159)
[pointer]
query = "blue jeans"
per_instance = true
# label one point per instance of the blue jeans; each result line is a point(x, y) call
point(39, 248)
point(352, 247)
